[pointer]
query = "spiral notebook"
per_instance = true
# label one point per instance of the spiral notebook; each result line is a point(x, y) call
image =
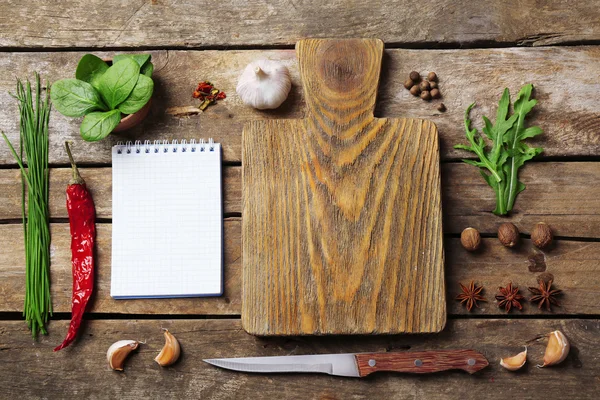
point(167, 228)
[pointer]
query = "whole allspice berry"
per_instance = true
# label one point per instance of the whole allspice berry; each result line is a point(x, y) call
point(408, 83)
point(432, 77)
point(425, 85)
point(541, 236)
point(414, 76)
point(415, 90)
point(508, 234)
point(435, 93)
point(433, 84)
point(470, 239)
point(441, 107)
point(425, 95)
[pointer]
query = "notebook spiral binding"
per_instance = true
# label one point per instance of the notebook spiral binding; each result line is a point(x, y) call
point(164, 146)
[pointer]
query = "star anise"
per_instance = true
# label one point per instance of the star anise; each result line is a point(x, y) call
point(470, 295)
point(509, 297)
point(545, 295)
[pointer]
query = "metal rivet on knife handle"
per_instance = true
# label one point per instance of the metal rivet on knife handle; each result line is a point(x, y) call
point(372, 363)
point(471, 361)
point(418, 363)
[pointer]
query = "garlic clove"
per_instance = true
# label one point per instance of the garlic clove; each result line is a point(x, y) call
point(515, 362)
point(170, 351)
point(557, 349)
point(264, 84)
point(118, 352)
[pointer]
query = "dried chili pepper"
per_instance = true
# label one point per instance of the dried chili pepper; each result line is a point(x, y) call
point(82, 217)
point(208, 94)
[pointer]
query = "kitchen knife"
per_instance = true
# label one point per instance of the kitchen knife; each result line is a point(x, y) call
point(360, 364)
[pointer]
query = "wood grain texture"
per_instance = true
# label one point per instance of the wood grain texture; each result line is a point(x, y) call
point(32, 370)
point(342, 213)
point(170, 23)
point(12, 276)
point(567, 109)
point(575, 266)
point(566, 195)
point(421, 362)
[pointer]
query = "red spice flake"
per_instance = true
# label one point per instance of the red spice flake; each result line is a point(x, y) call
point(208, 94)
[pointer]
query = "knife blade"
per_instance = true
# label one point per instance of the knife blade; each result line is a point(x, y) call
point(359, 364)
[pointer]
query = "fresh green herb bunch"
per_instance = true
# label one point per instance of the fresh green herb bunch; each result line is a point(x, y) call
point(508, 151)
point(103, 93)
point(34, 115)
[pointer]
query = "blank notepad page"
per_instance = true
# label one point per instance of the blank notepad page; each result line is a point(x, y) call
point(167, 220)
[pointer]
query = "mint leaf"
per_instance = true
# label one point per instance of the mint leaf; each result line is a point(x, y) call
point(98, 125)
point(118, 81)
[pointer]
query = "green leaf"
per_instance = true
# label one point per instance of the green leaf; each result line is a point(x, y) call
point(142, 92)
point(98, 125)
point(90, 69)
point(75, 98)
point(118, 81)
point(147, 69)
point(141, 59)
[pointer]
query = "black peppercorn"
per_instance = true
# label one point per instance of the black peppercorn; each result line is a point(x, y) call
point(432, 77)
point(425, 95)
point(414, 76)
point(415, 90)
point(425, 85)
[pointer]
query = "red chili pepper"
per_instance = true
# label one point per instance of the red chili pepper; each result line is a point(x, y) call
point(82, 218)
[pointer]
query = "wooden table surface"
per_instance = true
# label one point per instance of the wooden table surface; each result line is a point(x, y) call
point(476, 48)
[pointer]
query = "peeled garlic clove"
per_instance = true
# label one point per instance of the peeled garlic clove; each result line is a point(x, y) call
point(515, 362)
point(557, 349)
point(170, 351)
point(264, 84)
point(118, 352)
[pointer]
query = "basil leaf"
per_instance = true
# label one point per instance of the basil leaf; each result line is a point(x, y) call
point(118, 81)
point(98, 125)
point(141, 59)
point(75, 98)
point(90, 69)
point(147, 69)
point(139, 96)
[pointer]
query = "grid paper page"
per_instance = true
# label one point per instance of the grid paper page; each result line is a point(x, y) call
point(167, 225)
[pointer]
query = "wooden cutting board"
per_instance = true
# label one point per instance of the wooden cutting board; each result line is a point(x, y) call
point(342, 218)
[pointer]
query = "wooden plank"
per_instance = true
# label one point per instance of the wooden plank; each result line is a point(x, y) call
point(342, 211)
point(575, 266)
point(564, 195)
point(169, 23)
point(32, 370)
point(567, 110)
point(12, 273)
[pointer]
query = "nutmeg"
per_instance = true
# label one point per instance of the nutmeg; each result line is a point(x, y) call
point(508, 234)
point(408, 83)
point(415, 90)
point(425, 86)
point(470, 239)
point(541, 236)
point(425, 95)
point(435, 93)
point(432, 77)
point(414, 76)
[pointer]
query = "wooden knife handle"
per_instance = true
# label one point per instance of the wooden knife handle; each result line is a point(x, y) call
point(421, 362)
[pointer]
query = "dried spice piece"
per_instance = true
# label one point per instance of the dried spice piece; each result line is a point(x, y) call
point(509, 297)
point(537, 262)
point(208, 94)
point(470, 295)
point(545, 295)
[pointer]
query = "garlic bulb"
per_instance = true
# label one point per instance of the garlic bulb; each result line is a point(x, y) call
point(264, 84)
point(118, 352)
